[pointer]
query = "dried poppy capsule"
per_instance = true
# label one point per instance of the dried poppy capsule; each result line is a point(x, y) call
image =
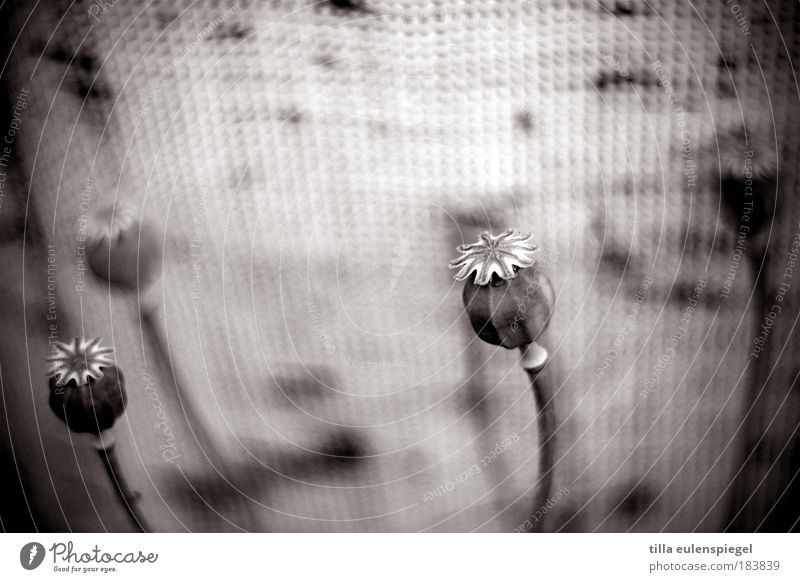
point(509, 300)
point(123, 249)
point(87, 391)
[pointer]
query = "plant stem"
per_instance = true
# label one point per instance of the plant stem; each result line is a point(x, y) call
point(197, 426)
point(533, 361)
point(105, 445)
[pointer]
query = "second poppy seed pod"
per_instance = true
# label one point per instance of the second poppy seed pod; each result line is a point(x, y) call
point(123, 249)
point(87, 391)
point(508, 298)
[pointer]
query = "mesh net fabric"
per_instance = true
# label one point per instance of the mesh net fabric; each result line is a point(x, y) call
point(312, 169)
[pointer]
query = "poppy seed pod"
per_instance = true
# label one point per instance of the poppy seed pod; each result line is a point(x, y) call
point(123, 249)
point(87, 391)
point(508, 298)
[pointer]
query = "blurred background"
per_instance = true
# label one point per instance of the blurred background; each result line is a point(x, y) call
point(309, 168)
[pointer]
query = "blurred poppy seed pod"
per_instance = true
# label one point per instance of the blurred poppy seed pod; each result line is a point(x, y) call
point(87, 391)
point(123, 249)
point(509, 300)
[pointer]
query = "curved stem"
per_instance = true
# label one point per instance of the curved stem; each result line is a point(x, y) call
point(129, 498)
point(196, 424)
point(533, 363)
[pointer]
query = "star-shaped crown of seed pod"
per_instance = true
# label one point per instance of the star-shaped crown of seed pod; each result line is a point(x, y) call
point(499, 255)
point(124, 223)
point(79, 360)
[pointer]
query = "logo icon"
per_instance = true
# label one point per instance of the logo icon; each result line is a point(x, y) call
point(31, 555)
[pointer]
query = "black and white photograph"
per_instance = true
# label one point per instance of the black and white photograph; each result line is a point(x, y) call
point(400, 266)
